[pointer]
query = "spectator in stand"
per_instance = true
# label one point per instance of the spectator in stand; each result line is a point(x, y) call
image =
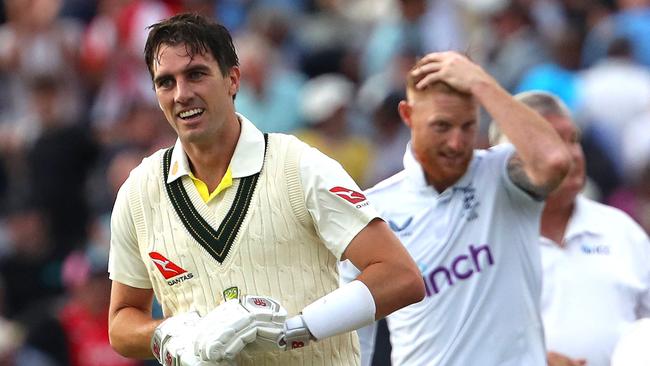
point(58, 164)
point(390, 137)
point(631, 21)
point(613, 93)
point(269, 91)
point(75, 332)
point(326, 102)
point(30, 268)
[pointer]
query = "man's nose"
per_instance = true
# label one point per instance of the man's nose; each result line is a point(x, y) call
point(456, 140)
point(183, 92)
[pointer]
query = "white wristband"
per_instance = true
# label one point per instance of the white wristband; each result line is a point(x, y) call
point(345, 309)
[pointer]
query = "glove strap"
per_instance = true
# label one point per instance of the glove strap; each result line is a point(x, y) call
point(156, 345)
point(164, 332)
point(296, 333)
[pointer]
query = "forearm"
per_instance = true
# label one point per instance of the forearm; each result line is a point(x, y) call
point(392, 288)
point(389, 272)
point(542, 152)
point(130, 332)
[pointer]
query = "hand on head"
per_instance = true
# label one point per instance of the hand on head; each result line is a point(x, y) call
point(451, 68)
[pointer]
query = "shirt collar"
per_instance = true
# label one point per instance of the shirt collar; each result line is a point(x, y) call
point(581, 222)
point(415, 173)
point(246, 160)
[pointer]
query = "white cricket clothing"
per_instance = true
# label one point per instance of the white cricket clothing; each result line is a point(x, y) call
point(632, 349)
point(476, 246)
point(597, 285)
point(351, 306)
point(303, 213)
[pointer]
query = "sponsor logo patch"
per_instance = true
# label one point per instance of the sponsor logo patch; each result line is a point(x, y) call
point(349, 195)
point(259, 302)
point(231, 293)
point(595, 249)
point(170, 270)
point(459, 269)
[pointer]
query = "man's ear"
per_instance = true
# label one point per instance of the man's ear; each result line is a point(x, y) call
point(234, 76)
point(405, 109)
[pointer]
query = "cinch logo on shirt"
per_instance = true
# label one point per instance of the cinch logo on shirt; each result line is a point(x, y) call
point(169, 269)
point(349, 195)
point(461, 268)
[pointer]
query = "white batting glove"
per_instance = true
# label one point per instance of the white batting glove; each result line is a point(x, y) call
point(268, 317)
point(224, 332)
point(274, 330)
point(173, 340)
point(295, 334)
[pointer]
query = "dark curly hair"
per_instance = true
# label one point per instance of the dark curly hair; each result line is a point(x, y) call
point(199, 35)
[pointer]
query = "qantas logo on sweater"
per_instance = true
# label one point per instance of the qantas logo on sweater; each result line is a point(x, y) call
point(349, 195)
point(169, 269)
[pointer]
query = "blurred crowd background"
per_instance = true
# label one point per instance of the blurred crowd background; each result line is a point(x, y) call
point(77, 113)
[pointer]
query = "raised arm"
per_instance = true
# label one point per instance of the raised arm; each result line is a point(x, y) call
point(130, 325)
point(541, 160)
point(386, 268)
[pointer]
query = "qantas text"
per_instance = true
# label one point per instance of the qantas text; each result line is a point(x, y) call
point(180, 279)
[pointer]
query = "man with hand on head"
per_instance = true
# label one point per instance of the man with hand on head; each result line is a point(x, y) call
point(470, 220)
point(595, 258)
point(230, 211)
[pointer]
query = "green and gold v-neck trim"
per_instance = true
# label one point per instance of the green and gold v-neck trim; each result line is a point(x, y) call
point(216, 242)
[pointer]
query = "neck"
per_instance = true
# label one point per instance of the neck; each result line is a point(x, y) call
point(438, 186)
point(209, 161)
point(555, 219)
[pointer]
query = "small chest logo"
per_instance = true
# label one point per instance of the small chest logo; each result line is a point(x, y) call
point(169, 269)
point(259, 302)
point(398, 228)
point(470, 202)
point(595, 249)
point(231, 293)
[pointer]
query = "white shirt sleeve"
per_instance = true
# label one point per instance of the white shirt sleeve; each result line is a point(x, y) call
point(125, 264)
point(334, 201)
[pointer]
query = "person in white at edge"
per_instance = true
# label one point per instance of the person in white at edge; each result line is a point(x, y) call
point(632, 349)
point(470, 220)
point(282, 249)
point(595, 259)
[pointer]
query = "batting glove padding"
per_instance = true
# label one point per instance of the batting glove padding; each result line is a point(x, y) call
point(269, 318)
point(227, 329)
point(296, 333)
point(173, 340)
point(224, 332)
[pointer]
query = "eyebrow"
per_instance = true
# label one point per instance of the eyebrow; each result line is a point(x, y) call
point(445, 120)
point(192, 68)
point(197, 67)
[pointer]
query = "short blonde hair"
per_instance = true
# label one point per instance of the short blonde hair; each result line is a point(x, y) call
point(438, 87)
